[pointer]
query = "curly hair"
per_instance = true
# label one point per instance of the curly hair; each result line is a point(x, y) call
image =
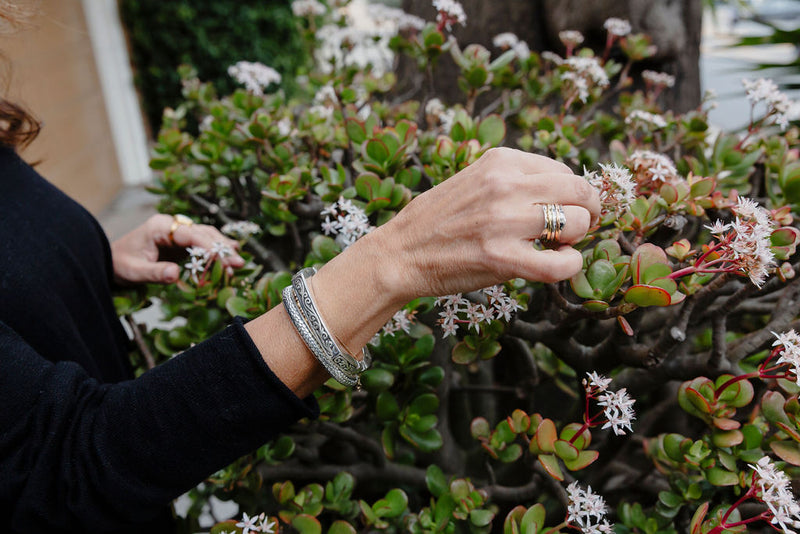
point(18, 127)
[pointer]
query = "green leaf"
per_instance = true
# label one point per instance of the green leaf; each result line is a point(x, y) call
point(464, 354)
point(394, 504)
point(673, 446)
point(237, 306)
point(566, 450)
point(428, 441)
point(670, 499)
point(367, 185)
point(377, 151)
point(377, 379)
point(386, 406)
point(341, 527)
point(643, 257)
point(435, 480)
point(533, 519)
point(752, 436)
point(491, 130)
point(584, 460)
point(426, 403)
point(721, 477)
point(728, 438)
point(306, 524)
point(481, 518)
point(546, 436)
point(772, 407)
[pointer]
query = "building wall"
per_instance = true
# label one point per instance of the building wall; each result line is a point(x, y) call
point(54, 73)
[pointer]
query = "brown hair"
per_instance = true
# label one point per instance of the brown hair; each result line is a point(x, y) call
point(17, 126)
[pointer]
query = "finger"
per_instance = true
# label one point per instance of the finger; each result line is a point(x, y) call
point(524, 162)
point(141, 271)
point(578, 220)
point(565, 189)
point(549, 265)
point(209, 238)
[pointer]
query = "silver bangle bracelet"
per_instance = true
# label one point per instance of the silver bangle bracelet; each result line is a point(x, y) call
point(290, 302)
point(308, 307)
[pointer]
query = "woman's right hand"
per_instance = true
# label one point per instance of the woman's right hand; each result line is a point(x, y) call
point(477, 228)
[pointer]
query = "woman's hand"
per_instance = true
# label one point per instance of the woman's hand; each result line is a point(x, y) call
point(136, 254)
point(477, 228)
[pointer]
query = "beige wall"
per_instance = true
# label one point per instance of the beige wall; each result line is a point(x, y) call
point(54, 75)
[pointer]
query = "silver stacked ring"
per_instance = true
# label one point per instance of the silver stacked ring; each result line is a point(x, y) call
point(554, 222)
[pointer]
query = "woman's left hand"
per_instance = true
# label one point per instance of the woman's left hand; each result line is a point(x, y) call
point(136, 254)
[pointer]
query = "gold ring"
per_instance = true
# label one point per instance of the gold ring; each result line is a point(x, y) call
point(178, 220)
point(554, 222)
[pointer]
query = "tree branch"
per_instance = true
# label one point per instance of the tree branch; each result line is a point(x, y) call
point(138, 338)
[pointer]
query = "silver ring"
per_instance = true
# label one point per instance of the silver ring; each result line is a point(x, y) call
point(554, 222)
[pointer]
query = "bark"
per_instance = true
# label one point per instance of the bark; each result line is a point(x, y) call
point(674, 26)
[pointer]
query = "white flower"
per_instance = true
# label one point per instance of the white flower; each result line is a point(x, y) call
point(586, 510)
point(248, 524)
point(570, 38)
point(777, 103)
point(658, 79)
point(646, 117)
point(776, 492)
point(505, 40)
point(617, 27)
point(597, 381)
point(718, 228)
point(791, 350)
point(221, 250)
point(254, 76)
point(240, 229)
point(198, 252)
point(747, 246)
point(305, 8)
point(401, 320)
point(450, 12)
point(284, 127)
point(618, 410)
point(552, 57)
point(364, 46)
point(582, 73)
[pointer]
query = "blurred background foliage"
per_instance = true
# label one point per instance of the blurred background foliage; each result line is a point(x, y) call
point(210, 35)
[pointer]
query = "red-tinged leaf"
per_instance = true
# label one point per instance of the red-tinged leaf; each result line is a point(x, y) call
point(729, 438)
point(792, 431)
point(669, 193)
point(519, 421)
point(565, 450)
point(643, 295)
point(550, 464)
point(625, 325)
point(723, 423)
point(696, 524)
point(785, 237)
point(698, 401)
point(787, 451)
point(546, 436)
point(584, 460)
point(596, 305)
point(479, 428)
point(643, 257)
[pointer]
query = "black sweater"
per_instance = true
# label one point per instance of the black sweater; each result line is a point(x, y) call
point(83, 446)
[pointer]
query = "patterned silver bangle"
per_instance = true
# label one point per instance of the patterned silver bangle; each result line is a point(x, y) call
point(290, 302)
point(308, 307)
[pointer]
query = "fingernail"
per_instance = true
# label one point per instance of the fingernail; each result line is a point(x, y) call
point(170, 273)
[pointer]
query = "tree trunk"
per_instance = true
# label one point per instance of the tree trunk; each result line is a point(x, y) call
point(674, 26)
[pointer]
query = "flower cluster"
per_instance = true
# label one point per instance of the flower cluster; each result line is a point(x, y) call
point(400, 321)
point(308, 8)
point(616, 187)
point(639, 116)
point(458, 309)
point(570, 39)
point(744, 244)
point(509, 41)
point(658, 79)
point(587, 510)
point(240, 229)
point(256, 523)
point(346, 221)
point(584, 73)
point(617, 405)
point(437, 114)
point(776, 493)
point(198, 258)
point(449, 12)
point(651, 169)
point(776, 102)
point(254, 76)
point(790, 341)
point(617, 27)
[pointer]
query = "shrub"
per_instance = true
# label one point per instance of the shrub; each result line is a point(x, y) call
point(493, 410)
point(208, 34)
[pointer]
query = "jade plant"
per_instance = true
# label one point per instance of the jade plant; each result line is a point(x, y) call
point(656, 390)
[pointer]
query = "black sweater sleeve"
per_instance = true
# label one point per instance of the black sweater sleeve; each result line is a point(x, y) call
point(79, 455)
